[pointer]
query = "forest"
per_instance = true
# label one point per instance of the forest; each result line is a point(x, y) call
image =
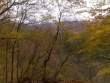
point(60, 51)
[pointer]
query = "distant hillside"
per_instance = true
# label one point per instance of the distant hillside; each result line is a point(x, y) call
point(74, 26)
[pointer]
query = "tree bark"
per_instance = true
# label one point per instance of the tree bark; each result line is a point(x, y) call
point(7, 61)
point(12, 65)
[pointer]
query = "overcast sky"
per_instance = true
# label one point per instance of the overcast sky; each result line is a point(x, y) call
point(40, 11)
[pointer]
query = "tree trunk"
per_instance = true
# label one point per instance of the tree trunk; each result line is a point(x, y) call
point(7, 61)
point(12, 65)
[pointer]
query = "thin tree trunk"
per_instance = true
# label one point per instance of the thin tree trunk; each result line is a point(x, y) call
point(30, 61)
point(57, 72)
point(17, 66)
point(50, 51)
point(91, 74)
point(12, 65)
point(7, 61)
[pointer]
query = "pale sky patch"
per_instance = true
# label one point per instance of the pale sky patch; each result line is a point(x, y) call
point(69, 11)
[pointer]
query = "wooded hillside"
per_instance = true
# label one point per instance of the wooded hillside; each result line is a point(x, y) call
point(52, 52)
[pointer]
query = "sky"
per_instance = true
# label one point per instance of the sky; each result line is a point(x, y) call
point(51, 11)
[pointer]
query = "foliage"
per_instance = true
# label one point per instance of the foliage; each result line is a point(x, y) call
point(104, 71)
point(98, 40)
point(97, 44)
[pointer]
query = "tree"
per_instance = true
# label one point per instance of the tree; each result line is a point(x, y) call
point(97, 45)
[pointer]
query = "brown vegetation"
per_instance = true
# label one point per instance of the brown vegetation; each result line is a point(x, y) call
point(28, 80)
